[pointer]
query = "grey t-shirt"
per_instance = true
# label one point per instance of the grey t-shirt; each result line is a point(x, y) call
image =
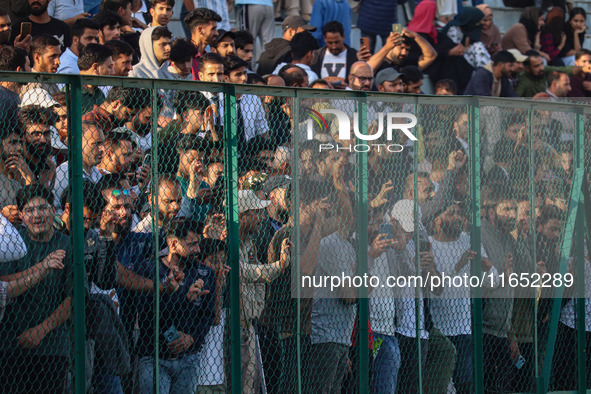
point(332, 319)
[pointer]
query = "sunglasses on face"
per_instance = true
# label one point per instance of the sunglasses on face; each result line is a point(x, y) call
point(256, 182)
point(120, 192)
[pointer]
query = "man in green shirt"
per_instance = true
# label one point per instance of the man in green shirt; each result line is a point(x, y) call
point(533, 79)
point(36, 343)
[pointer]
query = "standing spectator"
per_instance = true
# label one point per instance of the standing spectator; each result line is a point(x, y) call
point(325, 11)
point(161, 11)
point(84, 32)
point(466, 29)
point(122, 57)
point(552, 36)
point(244, 43)
point(109, 24)
point(169, 202)
point(120, 107)
point(334, 60)
point(155, 50)
point(490, 36)
point(583, 60)
point(12, 166)
point(68, 11)
point(42, 23)
point(118, 154)
point(202, 23)
point(224, 43)
point(123, 9)
point(302, 47)
point(182, 53)
point(220, 7)
point(37, 343)
point(376, 18)
point(257, 17)
point(524, 35)
point(397, 52)
point(278, 50)
point(533, 79)
point(493, 79)
point(95, 59)
point(574, 29)
point(45, 52)
point(16, 9)
point(413, 79)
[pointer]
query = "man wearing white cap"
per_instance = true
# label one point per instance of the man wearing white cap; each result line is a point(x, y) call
point(253, 279)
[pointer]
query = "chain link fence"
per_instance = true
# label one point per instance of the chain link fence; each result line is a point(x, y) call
point(164, 236)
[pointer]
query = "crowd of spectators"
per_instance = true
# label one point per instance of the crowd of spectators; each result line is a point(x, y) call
point(164, 228)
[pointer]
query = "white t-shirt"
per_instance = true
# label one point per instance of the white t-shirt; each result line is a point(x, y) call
point(334, 66)
point(12, 246)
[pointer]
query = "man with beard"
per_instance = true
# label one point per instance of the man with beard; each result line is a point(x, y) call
point(118, 153)
point(493, 79)
point(396, 50)
point(122, 57)
point(451, 311)
point(533, 79)
point(36, 337)
point(185, 318)
point(120, 107)
point(333, 61)
point(203, 23)
point(35, 121)
point(169, 202)
point(45, 53)
point(42, 23)
point(84, 32)
point(500, 350)
point(11, 165)
point(92, 154)
point(360, 77)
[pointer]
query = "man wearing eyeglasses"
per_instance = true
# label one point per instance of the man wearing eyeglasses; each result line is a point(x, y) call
point(360, 77)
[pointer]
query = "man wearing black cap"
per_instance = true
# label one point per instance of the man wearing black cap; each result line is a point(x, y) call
point(389, 80)
point(278, 49)
point(224, 43)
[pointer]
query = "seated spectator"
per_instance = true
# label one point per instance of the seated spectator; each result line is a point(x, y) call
point(278, 50)
point(302, 47)
point(577, 82)
point(466, 29)
point(169, 202)
point(202, 23)
point(84, 32)
point(118, 153)
point(257, 17)
point(293, 76)
point(161, 12)
point(574, 29)
point(95, 59)
point(552, 36)
point(123, 9)
point(493, 79)
point(360, 77)
point(45, 52)
point(122, 57)
point(391, 81)
point(558, 85)
point(37, 343)
point(324, 11)
point(244, 42)
point(524, 35)
point(490, 36)
point(13, 170)
point(224, 43)
point(43, 23)
point(533, 79)
point(446, 87)
point(109, 24)
point(413, 79)
point(155, 50)
point(333, 61)
point(182, 53)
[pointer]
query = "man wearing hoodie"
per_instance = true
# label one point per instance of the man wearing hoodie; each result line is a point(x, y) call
point(155, 50)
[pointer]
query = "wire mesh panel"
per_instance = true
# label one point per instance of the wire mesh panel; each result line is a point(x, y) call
point(197, 237)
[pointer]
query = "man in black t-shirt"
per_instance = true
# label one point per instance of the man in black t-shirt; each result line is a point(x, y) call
point(42, 23)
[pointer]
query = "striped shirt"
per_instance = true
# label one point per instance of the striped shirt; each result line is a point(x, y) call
point(220, 7)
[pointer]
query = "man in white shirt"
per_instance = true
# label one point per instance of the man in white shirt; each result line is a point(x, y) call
point(68, 11)
point(334, 60)
point(302, 46)
point(84, 32)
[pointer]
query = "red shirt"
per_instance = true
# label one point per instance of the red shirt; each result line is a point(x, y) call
point(195, 68)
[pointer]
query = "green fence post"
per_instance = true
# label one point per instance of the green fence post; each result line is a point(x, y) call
point(156, 235)
point(362, 212)
point(75, 169)
point(476, 242)
point(416, 238)
point(231, 171)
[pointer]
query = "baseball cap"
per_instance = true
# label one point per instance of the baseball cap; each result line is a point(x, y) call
point(388, 74)
point(294, 21)
point(403, 212)
point(224, 33)
point(40, 97)
point(275, 182)
point(519, 57)
point(248, 200)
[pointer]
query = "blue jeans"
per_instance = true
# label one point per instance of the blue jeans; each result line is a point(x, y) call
point(176, 376)
point(103, 382)
point(386, 364)
point(463, 372)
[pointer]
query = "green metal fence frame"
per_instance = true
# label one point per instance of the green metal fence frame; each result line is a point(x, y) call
point(579, 212)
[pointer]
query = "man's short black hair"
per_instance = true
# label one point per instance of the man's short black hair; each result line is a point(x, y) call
point(133, 98)
point(30, 192)
point(210, 57)
point(530, 53)
point(253, 79)
point(447, 84)
point(582, 52)
point(114, 5)
point(242, 38)
point(413, 74)
point(301, 44)
point(81, 25)
point(3, 12)
point(200, 17)
point(182, 50)
point(169, 3)
point(232, 63)
point(91, 54)
point(189, 142)
point(90, 191)
point(187, 99)
point(549, 212)
point(41, 42)
point(503, 57)
point(181, 227)
point(333, 27)
point(110, 181)
point(107, 18)
point(555, 76)
point(35, 114)
point(12, 58)
point(160, 32)
point(119, 48)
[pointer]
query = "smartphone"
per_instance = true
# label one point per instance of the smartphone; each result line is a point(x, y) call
point(364, 42)
point(171, 334)
point(424, 246)
point(147, 160)
point(396, 28)
point(520, 362)
point(26, 29)
point(220, 182)
point(386, 228)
